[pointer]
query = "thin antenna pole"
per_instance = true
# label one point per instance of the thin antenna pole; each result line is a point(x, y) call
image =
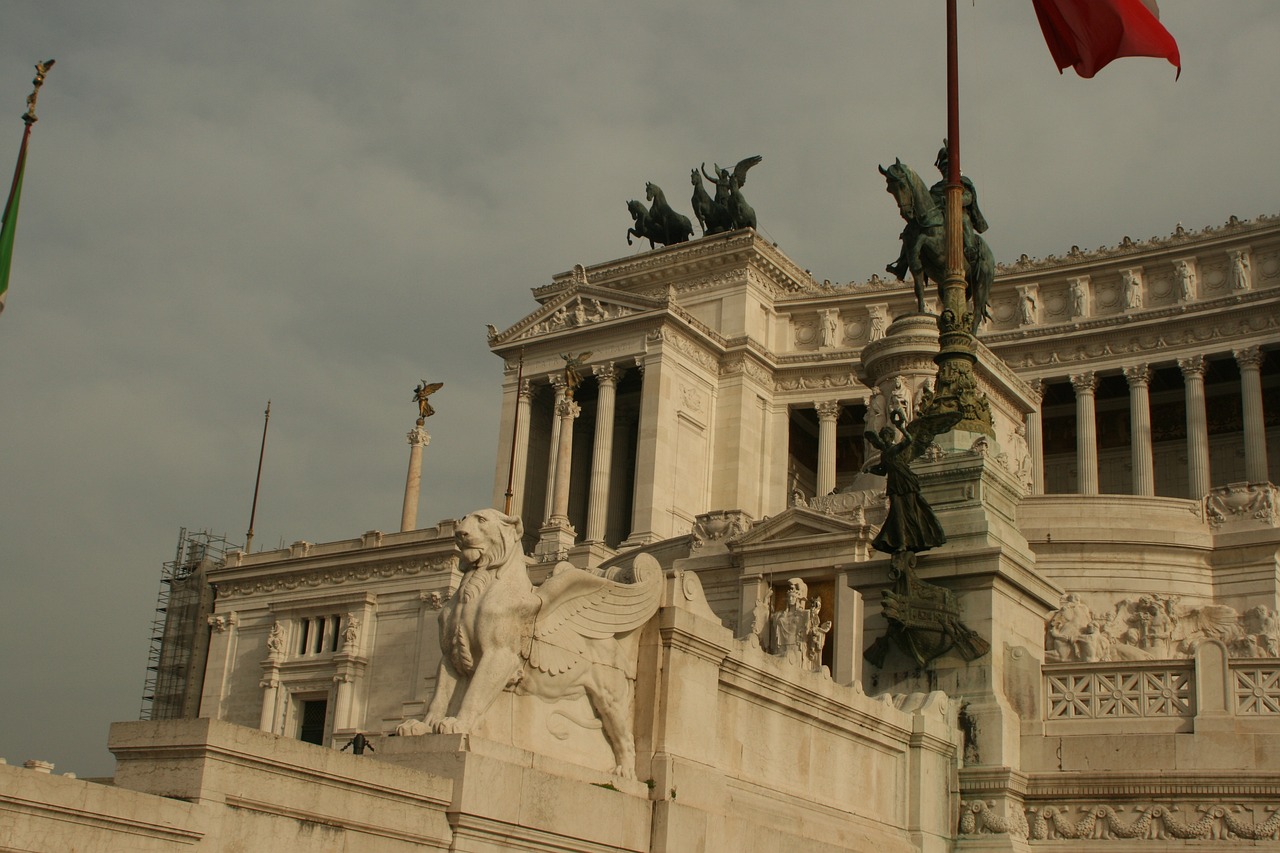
point(253, 513)
point(515, 429)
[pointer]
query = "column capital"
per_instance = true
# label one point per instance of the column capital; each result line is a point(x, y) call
point(525, 391)
point(1084, 383)
point(556, 380)
point(1038, 387)
point(1192, 365)
point(828, 410)
point(1137, 374)
point(607, 373)
point(418, 437)
point(1248, 357)
point(568, 409)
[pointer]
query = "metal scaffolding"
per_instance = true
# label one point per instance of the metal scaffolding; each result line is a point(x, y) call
point(180, 630)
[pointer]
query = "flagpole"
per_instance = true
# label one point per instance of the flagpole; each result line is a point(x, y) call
point(9, 217)
point(262, 451)
point(956, 346)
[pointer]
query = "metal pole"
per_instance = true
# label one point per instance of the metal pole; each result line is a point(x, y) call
point(515, 429)
point(253, 513)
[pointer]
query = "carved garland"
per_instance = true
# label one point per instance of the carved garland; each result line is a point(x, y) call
point(1151, 822)
point(336, 577)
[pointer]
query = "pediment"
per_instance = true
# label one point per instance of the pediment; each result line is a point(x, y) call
point(797, 523)
point(576, 307)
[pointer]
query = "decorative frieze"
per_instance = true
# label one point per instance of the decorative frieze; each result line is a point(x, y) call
point(335, 577)
point(1155, 627)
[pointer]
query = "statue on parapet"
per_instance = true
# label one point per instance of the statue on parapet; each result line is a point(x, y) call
point(924, 247)
point(576, 634)
point(658, 223)
point(728, 211)
point(797, 633)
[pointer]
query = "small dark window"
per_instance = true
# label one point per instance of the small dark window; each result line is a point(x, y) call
point(313, 714)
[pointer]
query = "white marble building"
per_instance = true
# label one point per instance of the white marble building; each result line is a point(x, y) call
point(1114, 538)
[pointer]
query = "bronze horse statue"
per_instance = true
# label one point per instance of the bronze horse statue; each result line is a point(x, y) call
point(660, 223)
point(925, 244)
point(712, 218)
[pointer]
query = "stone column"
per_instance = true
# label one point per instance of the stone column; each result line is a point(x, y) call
point(607, 376)
point(1086, 433)
point(566, 411)
point(1198, 482)
point(828, 414)
point(1035, 438)
point(557, 382)
point(1144, 477)
point(1255, 428)
point(520, 445)
point(418, 439)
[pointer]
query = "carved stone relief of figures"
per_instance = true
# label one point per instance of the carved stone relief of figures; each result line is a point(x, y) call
point(1184, 274)
point(878, 320)
point(351, 633)
point(275, 640)
point(1028, 305)
point(830, 328)
point(1131, 280)
point(1241, 278)
point(900, 398)
point(797, 632)
point(1156, 627)
point(1078, 297)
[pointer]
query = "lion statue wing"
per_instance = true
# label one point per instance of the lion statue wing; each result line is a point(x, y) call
point(579, 606)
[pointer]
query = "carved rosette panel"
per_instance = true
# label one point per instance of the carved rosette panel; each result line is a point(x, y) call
point(1119, 693)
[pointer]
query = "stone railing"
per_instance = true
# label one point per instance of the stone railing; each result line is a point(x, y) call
point(1255, 687)
point(1112, 690)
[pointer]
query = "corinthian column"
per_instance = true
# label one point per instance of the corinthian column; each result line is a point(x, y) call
point(418, 439)
point(828, 414)
point(557, 381)
point(1035, 439)
point(1139, 378)
point(520, 445)
point(1086, 433)
point(598, 501)
point(1255, 428)
point(566, 410)
point(1198, 483)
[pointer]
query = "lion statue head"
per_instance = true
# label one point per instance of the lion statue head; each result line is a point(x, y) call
point(488, 538)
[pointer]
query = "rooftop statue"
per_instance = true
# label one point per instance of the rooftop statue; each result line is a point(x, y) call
point(659, 223)
point(728, 211)
point(576, 634)
point(420, 395)
point(924, 245)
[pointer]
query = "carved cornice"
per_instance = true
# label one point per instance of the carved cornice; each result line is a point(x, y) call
point(1128, 247)
point(274, 579)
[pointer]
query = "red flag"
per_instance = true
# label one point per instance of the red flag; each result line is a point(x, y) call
point(1087, 34)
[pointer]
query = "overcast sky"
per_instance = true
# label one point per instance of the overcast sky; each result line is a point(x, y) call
point(323, 203)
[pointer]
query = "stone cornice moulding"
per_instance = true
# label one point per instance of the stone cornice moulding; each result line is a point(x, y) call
point(1127, 250)
point(289, 576)
point(674, 264)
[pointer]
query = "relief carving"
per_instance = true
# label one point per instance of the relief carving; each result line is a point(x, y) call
point(1155, 627)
